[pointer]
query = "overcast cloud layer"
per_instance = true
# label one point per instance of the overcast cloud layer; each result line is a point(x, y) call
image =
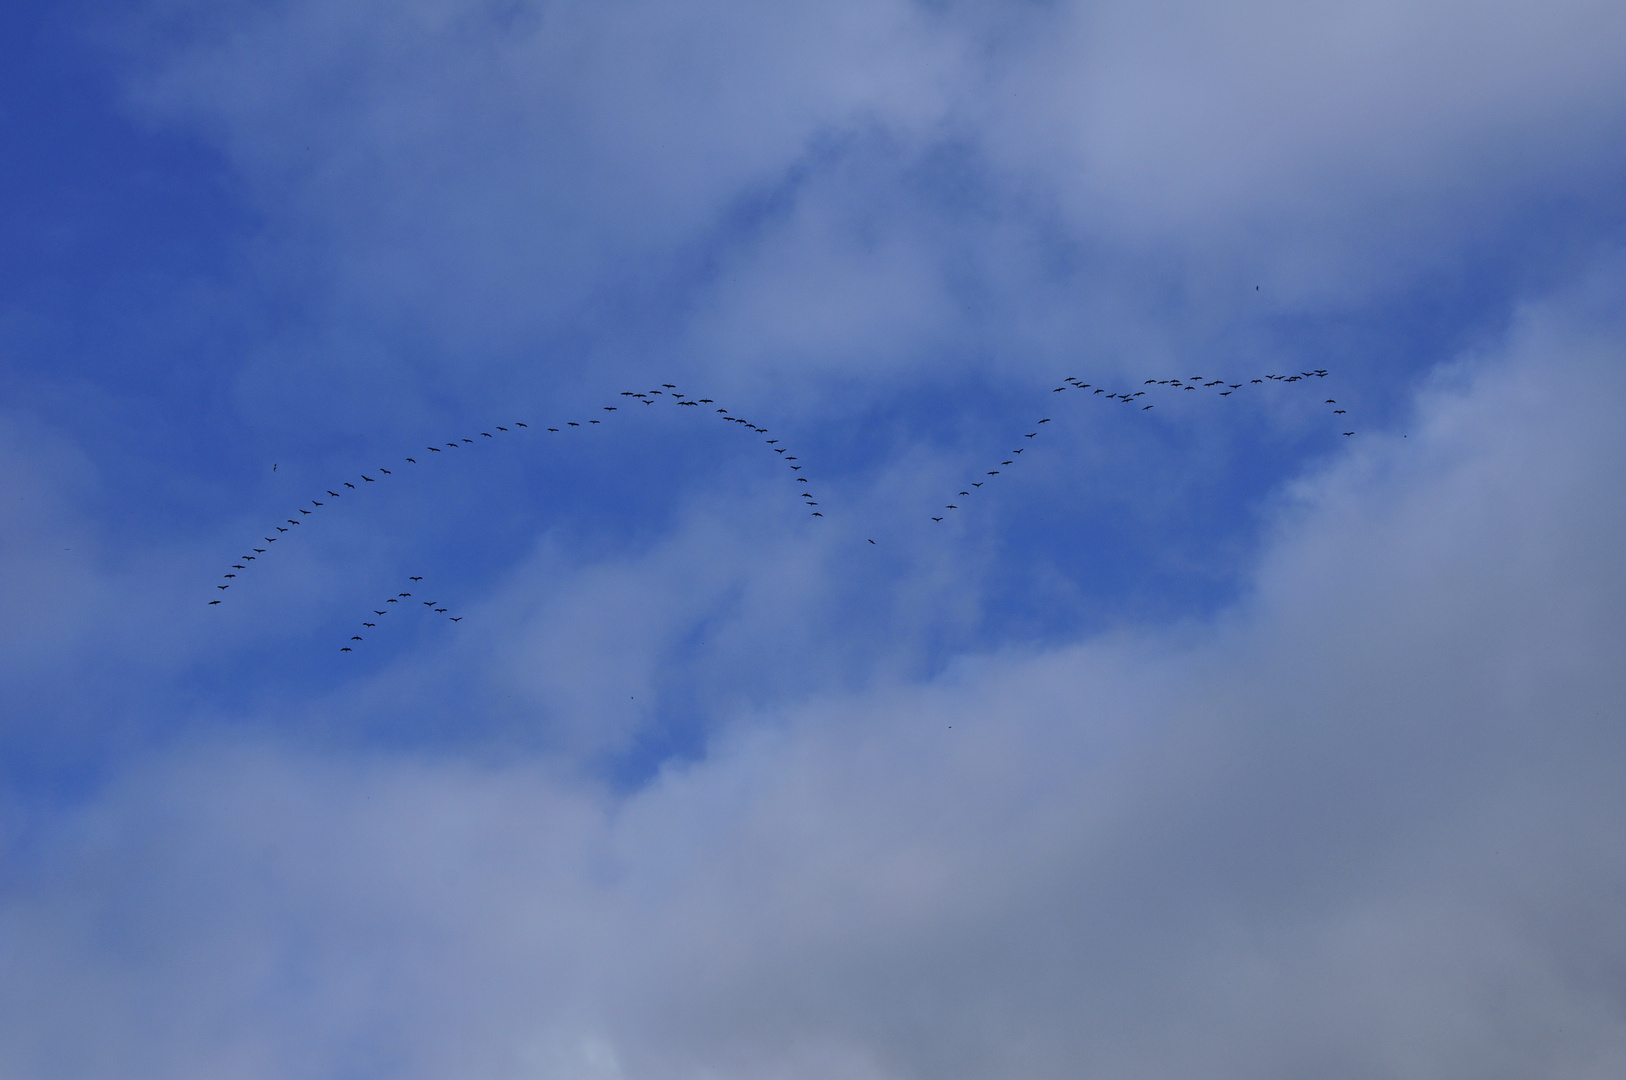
point(1204, 741)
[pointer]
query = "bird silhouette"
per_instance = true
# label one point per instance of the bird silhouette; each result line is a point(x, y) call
point(1338, 412)
point(369, 625)
point(349, 485)
point(222, 586)
point(217, 601)
point(379, 613)
point(413, 460)
point(440, 611)
point(386, 472)
point(403, 594)
point(369, 479)
point(419, 578)
point(518, 424)
point(458, 619)
point(346, 649)
point(260, 550)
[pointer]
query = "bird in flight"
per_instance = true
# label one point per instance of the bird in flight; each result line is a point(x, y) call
point(217, 601)
point(346, 649)
point(937, 519)
point(417, 578)
point(458, 619)
point(369, 625)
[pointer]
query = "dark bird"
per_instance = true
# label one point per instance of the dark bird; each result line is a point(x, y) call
point(1349, 433)
point(440, 611)
point(488, 434)
point(1007, 463)
point(592, 421)
point(779, 449)
point(458, 619)
point(419, 578)
point(369, 625)
point(501, 428)
point(965, 493)
point(1098, 390)
point(1143, 408)
point(978, 483)
point(234, 566)
point(1338, 412)
point(1046, 420)
point(468, 440)
point(453, 446)
point(315, 503)
point(347, 649)
point(279, 529)
point(379, 613)
point(386, 472)
point(392, 601)
point(1234, 386)
point(335, 494)
point(1226, 393)
point(1058, 389)
point(260, 550)
point(1256, 380)
point(801, 479)
point(413, 460)
point(369, 479)
point(707, 401)
point(669, 386)
point(810, 502)
point(770, 442)
point(355, 637)
point(871, 541)
point(725, 410)
point(937, 519)
point(269, 539)
point(518, 424)
point(222, 586)
point(609, 408)
point(429, 603)
point(817, 514)
point(798, 468)
point(217, 601)
point(302, 510)
point(348, 484)
point(436, 449)
point(403, 594)
point(1030, 435)
point(572, 423)
point(1330, 401)
point(951, 506)
point(994, 473)
point(228, 575)
point(291, 521)
point(1148, 382)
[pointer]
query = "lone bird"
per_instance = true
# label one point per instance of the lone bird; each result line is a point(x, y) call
point(217, 601)
point(417, 579)
point(994, 472)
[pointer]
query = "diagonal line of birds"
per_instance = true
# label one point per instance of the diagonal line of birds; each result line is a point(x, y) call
point(669, 393)
point(1221, 387)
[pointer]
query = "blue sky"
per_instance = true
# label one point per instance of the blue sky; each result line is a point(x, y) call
point(1201, 739)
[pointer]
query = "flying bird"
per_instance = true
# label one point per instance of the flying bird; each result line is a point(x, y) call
point(369, 625)
point(468, 440)
point(403, 594)
point(572, 423)
point(518, 424)
point(279, 529)
point(1330, 401)
point(222, 586)
point(380, 613)
point(228, 575)
point(348, 484)
point(937, 519)
point(817, 514)
point(369, 479)
point(1338, 412)
point(458, 619)
point(315, 503)
point(488, 434)
point(355, 637)
point(217, 601)
point(501, 428)
point(346, 649)
point(385, 471)
point(413, 460)
point(419, 578)
point(436, 449)
point(260, 550)
point(302, 510)
point(995, 472)
point(440, 611)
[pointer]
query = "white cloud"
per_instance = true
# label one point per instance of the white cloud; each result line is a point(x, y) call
point(1366, 823)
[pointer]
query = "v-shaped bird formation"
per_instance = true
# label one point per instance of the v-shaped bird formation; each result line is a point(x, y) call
point(668, 393)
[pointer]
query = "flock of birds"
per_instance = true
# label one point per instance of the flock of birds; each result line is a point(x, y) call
point(1196, 382)
point(669, 393)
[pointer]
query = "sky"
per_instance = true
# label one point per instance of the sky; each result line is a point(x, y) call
point(574, 410)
